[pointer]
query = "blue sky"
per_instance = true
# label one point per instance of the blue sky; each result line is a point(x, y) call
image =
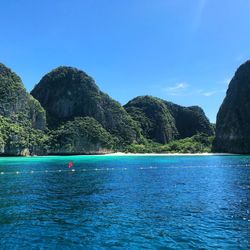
point(184, 51)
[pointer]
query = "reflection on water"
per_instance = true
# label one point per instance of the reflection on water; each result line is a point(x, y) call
point(125, 202)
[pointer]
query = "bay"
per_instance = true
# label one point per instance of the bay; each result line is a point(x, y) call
point(125, 202)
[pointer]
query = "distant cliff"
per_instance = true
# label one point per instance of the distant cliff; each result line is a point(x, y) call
point(233, 118)
point(190, 121)
point(153, 117)
point(162, 121)
point(66, 93)
point(68, 114)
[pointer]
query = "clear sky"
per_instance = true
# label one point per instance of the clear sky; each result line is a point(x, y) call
point(184, 51)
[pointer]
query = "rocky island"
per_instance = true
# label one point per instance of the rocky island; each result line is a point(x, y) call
point(67, 113)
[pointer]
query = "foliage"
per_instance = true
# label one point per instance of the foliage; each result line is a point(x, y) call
point(16, 138)
point(162, 121)
point(200, 143)
point(82, 135)
point(190, 121)
point(153, 118)
point(82, 119)
point(16, 103)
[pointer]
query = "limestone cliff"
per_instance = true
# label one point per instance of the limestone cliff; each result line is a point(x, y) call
point(66, 93)
point(233, 118)
point(81, 119)
point(16, 103)
point(163, 121)
point(190, 121)
point(153, 117)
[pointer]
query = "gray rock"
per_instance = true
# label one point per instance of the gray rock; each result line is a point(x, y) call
point(233, 118)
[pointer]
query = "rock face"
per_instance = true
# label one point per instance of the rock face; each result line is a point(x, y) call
point(16, 103)
point(162, 121)
point(153, 117)
point(233, 118)
point(81, 136)
point(66, 93)
point(22, 118)
point(190, 121)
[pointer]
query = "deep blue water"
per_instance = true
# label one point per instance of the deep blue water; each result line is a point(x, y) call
point(125, 202)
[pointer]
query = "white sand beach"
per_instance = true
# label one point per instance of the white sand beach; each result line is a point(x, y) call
point(168, 154)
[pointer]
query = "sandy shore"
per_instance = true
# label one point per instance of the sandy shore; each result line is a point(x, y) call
point(167, 154)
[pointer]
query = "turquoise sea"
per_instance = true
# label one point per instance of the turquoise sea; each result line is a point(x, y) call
point(125, 202)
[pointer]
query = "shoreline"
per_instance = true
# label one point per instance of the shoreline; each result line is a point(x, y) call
point(169, 154)
point(123, 154)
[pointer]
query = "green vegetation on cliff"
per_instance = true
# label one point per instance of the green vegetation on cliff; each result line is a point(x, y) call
point(66, 93)
point(16, 103)
point(81, 136)
point(190, 121)
point(162, 121)
point(200, 143)
point(153, 117)
point(82, 119)
point(18, 139)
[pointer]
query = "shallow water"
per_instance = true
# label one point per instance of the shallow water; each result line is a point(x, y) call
point(132, 202)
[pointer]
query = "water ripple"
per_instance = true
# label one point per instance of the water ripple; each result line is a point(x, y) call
point(125, 202)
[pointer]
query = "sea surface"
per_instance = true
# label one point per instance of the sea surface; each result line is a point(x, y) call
point(125, 202)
